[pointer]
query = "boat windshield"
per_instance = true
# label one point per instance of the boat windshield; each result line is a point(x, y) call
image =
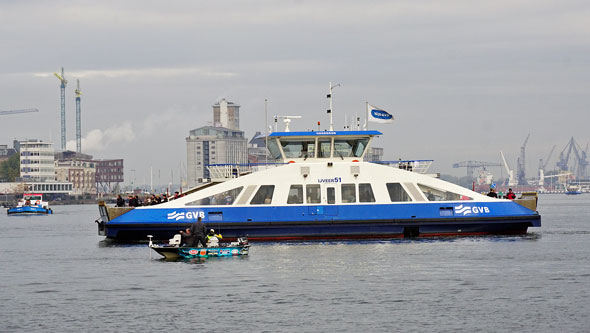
point(274, 150)
point(350, 147)
point(301, 148)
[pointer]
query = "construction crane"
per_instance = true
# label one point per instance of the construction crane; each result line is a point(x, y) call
point(581, 162)
point(64, 82)
point(543, 164)
point(78, 118)
point(510, 173)
point(18, 111)
point(520, 164)
point(472, 165)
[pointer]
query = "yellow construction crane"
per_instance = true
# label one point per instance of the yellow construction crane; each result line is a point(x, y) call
point(63, 81)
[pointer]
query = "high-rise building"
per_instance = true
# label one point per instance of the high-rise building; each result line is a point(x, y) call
point(226, 114)
point(213, 145)
point(36, 160)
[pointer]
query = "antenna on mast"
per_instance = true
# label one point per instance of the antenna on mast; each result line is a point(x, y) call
point(286, 120)
point(330, 109)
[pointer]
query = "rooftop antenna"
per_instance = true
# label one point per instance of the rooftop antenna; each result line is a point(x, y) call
point(330, 109)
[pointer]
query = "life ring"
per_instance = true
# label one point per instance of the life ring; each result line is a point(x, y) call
point(37, 202)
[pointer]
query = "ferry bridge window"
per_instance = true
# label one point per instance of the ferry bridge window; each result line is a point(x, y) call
point(219, 199)
point(325, 148)
point(348, 193)
point(273, 148)
point(264, 195)
point(397, 193)
point(298, 148)
point(366, 193)
point(433, 194)
point(295, 194)
point(331, 195)
point(312, 193)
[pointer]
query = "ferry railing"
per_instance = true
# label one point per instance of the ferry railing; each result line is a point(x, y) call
point(223, 172)
point(418, 166)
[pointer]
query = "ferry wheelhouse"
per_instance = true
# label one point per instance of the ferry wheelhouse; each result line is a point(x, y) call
point(321, 189)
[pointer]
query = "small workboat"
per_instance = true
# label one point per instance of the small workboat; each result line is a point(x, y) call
point(30, 204)
point(174, 249)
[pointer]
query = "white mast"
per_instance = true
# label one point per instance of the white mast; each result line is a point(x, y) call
point(330, 110)
point(266, 130)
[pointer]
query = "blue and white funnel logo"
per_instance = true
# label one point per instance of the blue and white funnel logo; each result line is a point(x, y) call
point(465, 210)
point(175, 216)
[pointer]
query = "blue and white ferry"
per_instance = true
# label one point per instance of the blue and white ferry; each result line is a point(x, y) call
point(323, 190)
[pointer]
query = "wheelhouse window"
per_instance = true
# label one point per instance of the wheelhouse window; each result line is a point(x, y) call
point(397, 193)
point(325, 148)
point(295, 194)
point(350, 147)
point(348, 193)
point(434, 194)
point(273, 149)
point(298, 148)
point(312, 193)
point(366, 193)
point(263, 196)
point(223, 198)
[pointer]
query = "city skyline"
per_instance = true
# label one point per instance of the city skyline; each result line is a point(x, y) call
point(463, 80)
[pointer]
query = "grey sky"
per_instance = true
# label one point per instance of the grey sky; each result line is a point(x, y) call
point(464, 79)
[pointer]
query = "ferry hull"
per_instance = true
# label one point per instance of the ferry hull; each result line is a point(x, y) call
point(28, 210)
point(305, 230)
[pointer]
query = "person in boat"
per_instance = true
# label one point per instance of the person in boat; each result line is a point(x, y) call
point(185, 237)
point(197, 232)
point(213, 238)
point(510, 195)
point(120, 201)
point(492, 193)
point(176, 195)
point(28, 202)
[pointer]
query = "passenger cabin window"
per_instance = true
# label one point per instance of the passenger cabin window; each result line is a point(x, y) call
point(312, 193)
point(348, 192)
point(366, 193)
point(325, 148)
point(397, 193)
point(331, 195)
point(273, 149)
point(434, 194)
point(223, 198)
point(263, 196)
point(295, 194)
point(298, 148)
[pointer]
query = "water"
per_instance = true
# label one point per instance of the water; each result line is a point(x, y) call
point(57, 274)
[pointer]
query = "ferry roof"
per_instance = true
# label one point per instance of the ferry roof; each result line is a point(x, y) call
point(325, 133)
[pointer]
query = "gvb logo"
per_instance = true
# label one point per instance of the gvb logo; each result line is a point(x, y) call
point(188, 215)
point(465, 210)
point(175, 216)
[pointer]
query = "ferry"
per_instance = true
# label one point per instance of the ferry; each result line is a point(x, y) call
point(322, 189)
point(30, 204)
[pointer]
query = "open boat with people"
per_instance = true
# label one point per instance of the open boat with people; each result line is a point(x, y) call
point(322, 189)
point(175, 250)
point(30, 204)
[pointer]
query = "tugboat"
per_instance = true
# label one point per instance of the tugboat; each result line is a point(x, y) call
point(30, 204)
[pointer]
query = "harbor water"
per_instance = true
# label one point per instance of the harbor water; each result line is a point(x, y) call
point(57, 274)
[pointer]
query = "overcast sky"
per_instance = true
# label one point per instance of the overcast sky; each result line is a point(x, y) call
point(464, 79)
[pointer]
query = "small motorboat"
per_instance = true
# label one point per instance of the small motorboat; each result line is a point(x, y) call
point(573, 190)
point(175, 250)
point(30, 204)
